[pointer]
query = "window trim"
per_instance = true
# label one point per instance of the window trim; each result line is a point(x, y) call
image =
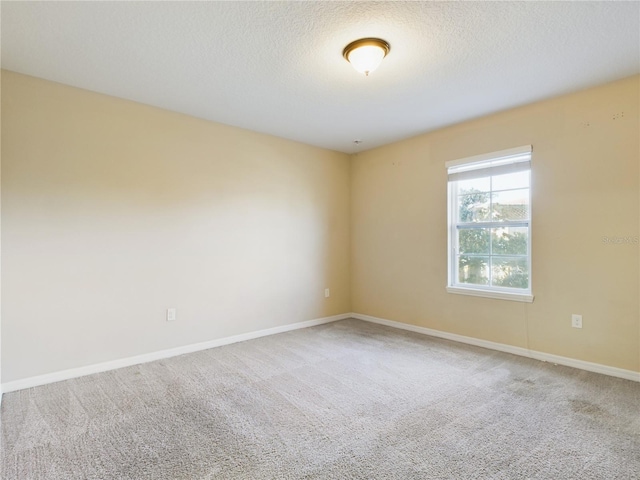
point(478, 292)
point(500, 293)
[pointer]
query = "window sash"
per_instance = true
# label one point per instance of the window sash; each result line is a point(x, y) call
point(456, 254)
point(510, 223)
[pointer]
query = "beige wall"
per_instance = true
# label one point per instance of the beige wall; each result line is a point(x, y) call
point(114, 211)
point(0, 241)
point(585, 186)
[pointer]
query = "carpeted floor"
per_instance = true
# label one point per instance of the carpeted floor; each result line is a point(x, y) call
point(347, 400)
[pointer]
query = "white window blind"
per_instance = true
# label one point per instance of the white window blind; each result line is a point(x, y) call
point(498, 163)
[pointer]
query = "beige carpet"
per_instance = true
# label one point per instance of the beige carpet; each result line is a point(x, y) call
point(347, 400)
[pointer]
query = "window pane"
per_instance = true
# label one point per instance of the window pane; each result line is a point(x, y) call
point(511, 205)
point(475, 185)
point(473, 240)
point(510, 181)
point(510, 272)
point(473, 270)
point(474, 207)
point(509, 240)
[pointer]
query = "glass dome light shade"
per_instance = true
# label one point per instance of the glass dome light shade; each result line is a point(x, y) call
point(366, 54)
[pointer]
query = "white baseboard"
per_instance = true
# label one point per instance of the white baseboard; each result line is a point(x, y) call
point(545, 357)
point(172, 352)
point(150, 357)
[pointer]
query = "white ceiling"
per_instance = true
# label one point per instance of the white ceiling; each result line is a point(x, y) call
point(277, 67)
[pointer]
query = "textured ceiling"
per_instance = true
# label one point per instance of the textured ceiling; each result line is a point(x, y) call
point(277, 67)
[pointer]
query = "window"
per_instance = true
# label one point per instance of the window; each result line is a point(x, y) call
point(490, 225)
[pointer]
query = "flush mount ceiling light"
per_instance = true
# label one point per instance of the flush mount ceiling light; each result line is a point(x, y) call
point(366, 54)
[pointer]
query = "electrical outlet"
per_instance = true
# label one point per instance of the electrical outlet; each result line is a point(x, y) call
point(327, 293)
point(576, 321)
point(171, 314)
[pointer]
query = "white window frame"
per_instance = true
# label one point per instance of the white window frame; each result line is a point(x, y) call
point(513, 159)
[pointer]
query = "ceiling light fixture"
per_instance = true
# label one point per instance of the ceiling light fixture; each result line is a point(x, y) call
point(366, 54)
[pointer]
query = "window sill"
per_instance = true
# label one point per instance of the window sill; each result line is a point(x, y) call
point(514, 297)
